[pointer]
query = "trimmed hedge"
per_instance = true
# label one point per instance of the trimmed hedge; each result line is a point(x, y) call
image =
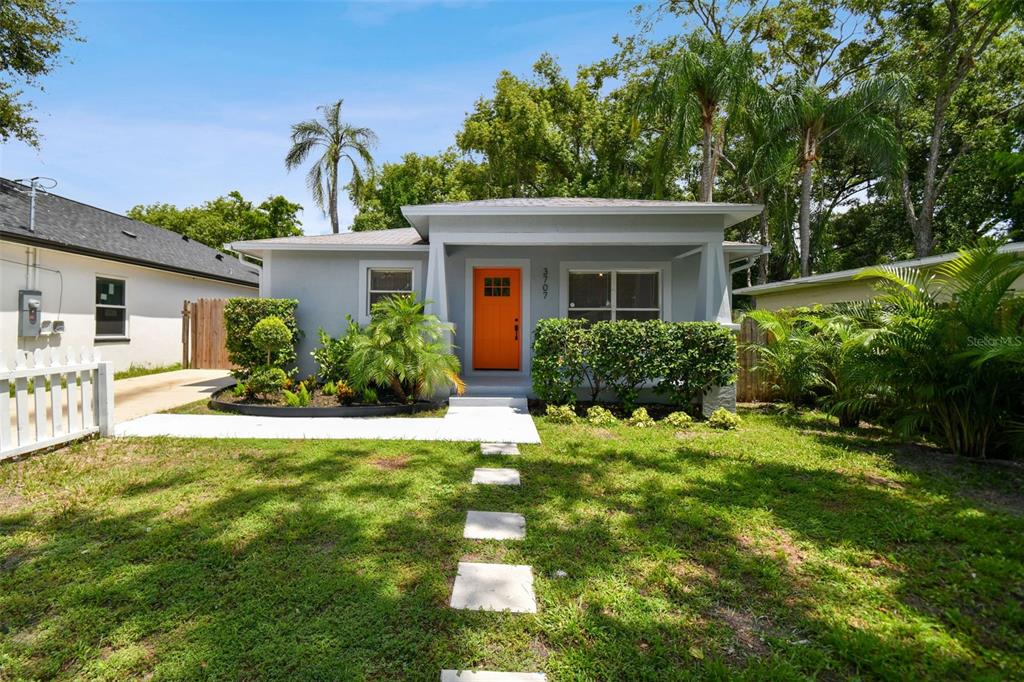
point(241, 315)
point(681, 359)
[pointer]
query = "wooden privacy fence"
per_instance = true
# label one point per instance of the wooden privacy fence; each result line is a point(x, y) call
point(79, 401)
point(204, 334)
point(751, 384)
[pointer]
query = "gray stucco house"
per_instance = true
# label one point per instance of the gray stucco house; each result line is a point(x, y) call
point(494, 268)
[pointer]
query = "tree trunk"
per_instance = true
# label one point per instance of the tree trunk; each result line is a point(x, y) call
point(805, 218)
point(707, 179)
point(762, 262)
point(332, 196)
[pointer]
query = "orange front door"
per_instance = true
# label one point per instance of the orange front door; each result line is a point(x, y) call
point(497, 327)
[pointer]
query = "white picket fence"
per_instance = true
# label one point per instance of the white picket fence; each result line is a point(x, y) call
point(83, 406)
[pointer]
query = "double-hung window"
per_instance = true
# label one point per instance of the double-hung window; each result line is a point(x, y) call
point(384, 282)
point(111, 312)
point(615, 294)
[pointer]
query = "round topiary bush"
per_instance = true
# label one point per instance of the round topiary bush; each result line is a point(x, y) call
point(271, 336)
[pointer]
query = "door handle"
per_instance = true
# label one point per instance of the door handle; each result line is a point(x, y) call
point(517, 332)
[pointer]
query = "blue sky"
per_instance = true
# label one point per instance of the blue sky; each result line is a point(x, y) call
point(182, 102)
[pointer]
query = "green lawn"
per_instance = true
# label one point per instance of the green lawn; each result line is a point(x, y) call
point(143, 370)
point(787, 549)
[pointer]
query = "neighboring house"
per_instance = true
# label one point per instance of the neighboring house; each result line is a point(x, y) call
point(842, 286)
point(494, 268)
point(95, 278)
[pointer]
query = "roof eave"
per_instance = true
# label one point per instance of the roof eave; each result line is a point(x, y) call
point(256, 248)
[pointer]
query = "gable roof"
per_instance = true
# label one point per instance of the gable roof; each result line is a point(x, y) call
point(419, 215)
point(847, 275)
point(67, 225)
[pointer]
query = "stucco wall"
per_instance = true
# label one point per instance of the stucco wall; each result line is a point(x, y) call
point(153, 299)
point(824, 294)
point(326, 283)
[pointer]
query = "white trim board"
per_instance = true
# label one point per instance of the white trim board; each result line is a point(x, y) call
point(524, 322)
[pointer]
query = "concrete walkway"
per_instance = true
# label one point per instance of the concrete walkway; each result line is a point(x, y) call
point(157, 392)
point(509, 422)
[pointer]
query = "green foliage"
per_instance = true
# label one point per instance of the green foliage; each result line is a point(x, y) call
point(32, 34)
point(332, 355)
point(681, 359)
point(403, 349)
point(599, 416)
point(330, 388)
point(225, 219)
point(678, 420)
point(265, 381)
point(561, 414)
point(560, 346)
point(272, 337)
point(641, 419)
point(625, 355)
point(346, 394)
point(789, 357)
point(335, 141)
point(691, 357)
point(240, 389)
point(724, 419)
point(241, 315)
point(369, 396)
point(299, 398)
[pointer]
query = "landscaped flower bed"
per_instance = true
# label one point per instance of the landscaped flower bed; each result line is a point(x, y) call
point(319, 405)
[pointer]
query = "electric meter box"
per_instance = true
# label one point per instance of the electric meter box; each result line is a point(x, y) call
point(30, 312)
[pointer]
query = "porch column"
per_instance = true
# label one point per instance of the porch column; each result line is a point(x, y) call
point(437, 287)
point(714, 282)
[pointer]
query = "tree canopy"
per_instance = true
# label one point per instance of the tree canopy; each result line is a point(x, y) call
point(225, 219)
point(872, 130)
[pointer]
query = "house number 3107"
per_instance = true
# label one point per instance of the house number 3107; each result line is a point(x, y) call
point(544, 287)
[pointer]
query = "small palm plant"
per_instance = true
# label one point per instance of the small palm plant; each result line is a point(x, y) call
point(842, 344)
point(947, 348)
point(789, 356)
point(404, 349)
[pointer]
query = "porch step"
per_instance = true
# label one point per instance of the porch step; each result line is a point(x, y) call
point(487, 401)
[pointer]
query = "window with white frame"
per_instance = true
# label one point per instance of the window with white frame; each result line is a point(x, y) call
point(615, 294)
point(384, 282)
point(111, 312)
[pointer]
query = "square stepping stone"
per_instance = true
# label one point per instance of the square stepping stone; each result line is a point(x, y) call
point(494, 526)
point(484, 476)
point(499, 449)
point(494, 587)
point(489, 676)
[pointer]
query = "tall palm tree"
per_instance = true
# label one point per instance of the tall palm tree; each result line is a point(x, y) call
point(337, 141)
point(700, 84)
point(809, 113)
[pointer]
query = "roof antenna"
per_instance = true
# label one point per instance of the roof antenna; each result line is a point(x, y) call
point(38, 182)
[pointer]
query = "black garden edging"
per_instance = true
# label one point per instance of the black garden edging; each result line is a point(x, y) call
point(339, 411)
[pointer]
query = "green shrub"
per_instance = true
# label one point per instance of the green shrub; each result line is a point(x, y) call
point(723, 419)
point(681, 360)
point(239, 389)
point(369, 396)
point(599, 416)
point(624, 355)
point(290, 399)
point(678, 420)
point(346, 394)
point(332, 355)
point(265, 381)
point(272, 338)
point(241, 315)
point(691, 357)
point(640, 418)
point(330, 388)
point(559, 349)
point(405, 350)
point(561, 414)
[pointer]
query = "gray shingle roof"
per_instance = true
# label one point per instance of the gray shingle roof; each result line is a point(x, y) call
point(68, 225)
point(401, 236)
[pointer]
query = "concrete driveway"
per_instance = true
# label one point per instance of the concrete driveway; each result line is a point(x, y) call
point(157, 392)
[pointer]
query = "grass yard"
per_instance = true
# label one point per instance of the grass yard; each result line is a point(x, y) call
point(787, 549)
